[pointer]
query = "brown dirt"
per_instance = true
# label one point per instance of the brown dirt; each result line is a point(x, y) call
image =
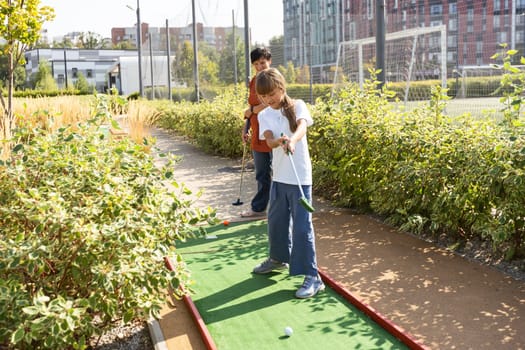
point(442, 299)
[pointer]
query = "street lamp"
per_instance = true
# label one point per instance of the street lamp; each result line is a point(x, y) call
point(139, 47)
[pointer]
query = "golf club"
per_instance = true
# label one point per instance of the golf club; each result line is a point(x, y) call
point(304, 202)
point(238, 202)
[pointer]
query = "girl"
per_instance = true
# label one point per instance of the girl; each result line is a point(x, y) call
point(290, 229)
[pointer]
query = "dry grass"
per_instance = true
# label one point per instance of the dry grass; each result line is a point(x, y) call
point(51, 113)
point(140, 117)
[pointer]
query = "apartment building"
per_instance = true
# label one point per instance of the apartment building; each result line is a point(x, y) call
point(215, 36)
point(475, 29)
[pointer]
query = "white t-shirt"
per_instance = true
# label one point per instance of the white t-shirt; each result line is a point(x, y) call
point(282, 171)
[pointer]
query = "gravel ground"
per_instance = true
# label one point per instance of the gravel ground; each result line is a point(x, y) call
point(134, 336)
point(481, 252)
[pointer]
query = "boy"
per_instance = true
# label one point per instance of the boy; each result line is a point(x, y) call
point(261, 59)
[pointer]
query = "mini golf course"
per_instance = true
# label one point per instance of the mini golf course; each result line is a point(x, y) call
point(241, 310)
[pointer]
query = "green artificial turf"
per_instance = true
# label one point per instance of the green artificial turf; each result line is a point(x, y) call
point(247, 311)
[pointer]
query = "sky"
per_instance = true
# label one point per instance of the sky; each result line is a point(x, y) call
point(99, 16)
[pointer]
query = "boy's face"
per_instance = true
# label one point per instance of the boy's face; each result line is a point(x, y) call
point(261, 64)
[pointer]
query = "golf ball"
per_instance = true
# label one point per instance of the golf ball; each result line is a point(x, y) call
point(288, 331)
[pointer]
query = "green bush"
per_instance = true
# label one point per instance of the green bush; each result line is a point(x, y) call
point(214, 126)
point(421, 169)
point(86, 222)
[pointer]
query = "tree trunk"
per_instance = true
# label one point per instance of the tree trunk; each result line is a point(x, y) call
point(7, 117)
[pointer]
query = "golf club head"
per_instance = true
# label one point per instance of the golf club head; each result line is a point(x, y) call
point(238, 202)
point(306, 205)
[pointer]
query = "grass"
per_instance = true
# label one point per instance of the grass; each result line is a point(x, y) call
point(477, 107)
point(140, 118)
point(51, 113)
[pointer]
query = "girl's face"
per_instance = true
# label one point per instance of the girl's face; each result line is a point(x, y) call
point(261, 64)
point(273, 98)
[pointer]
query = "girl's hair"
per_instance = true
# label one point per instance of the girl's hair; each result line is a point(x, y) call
point(270, 79)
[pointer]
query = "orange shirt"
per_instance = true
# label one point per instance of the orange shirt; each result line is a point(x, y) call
point(253, 100)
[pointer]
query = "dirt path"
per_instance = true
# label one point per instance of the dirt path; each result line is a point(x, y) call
point(441, 299)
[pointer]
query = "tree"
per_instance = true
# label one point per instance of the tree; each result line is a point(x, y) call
point(125, 45)
point(19, 74)
point(226, 60)
point(183, 64)
point(288, 72)
point(20, 25)
point(82, 84)
point(91, 40)
point(44, 79)
point(302, 74)
point(65, 43)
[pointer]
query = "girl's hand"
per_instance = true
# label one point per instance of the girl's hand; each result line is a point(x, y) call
point(287, 144)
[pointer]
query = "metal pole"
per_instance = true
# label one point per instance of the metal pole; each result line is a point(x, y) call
point(151, 68)
point(139, 50)
point(195, 54)
point(168, 49)
point(380, 41)
point(246, 44)
point(65, 67)
point(234, 51)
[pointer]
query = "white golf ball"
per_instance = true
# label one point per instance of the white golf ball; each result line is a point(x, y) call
point(288, 331)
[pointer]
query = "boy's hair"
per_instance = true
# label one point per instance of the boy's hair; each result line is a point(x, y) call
point(260, 52)
point(270, 79)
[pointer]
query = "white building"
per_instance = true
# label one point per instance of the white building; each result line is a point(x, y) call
point(67, 63)
point(123, 75)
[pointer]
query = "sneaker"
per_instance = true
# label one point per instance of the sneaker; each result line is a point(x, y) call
point(310, 287)
point(269, 265)
point(252, 214)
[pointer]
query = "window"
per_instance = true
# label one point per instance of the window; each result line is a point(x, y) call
point(89, 73)
point(436, 10)
point(351, 30)
point(479, 46)
point(497, 5)
point(294, 48)
point(452, 8)
point(452, 41)
point(453, 24)
point(470, 14)
point(75, 72)
point(370, 9)
point(496, 21)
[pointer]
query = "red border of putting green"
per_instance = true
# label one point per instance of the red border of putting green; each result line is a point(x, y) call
point(390, 327)
point(373, 314)
point(197, 318)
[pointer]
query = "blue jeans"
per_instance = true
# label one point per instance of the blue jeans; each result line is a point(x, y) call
point(290, 229)
point(263, 176)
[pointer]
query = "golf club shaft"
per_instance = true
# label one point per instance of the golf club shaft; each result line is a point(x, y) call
point(296, 176)
point(242, 171)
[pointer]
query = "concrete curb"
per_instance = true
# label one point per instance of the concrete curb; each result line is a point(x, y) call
point(157, 337)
